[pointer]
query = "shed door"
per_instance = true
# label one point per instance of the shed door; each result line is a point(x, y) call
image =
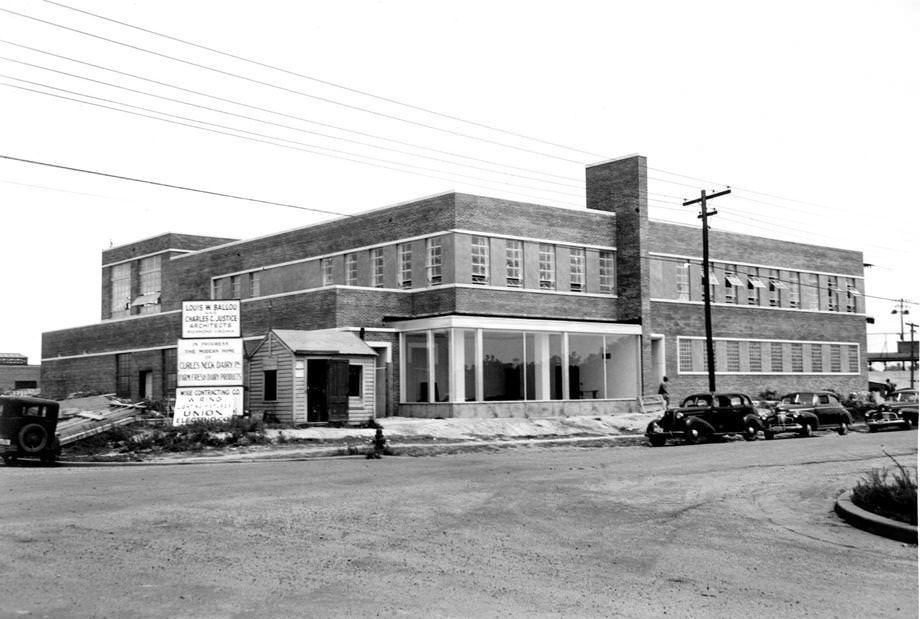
point(337, 390)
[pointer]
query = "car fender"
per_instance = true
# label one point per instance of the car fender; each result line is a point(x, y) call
point(810, 418)
point(755, 419)
point(704, 426)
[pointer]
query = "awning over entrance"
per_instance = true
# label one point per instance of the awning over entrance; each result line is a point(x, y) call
point(324, 342)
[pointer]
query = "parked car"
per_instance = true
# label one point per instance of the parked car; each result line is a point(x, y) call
point(706, 415)
point(898, 411)
point(27, 429)
point(805, 412)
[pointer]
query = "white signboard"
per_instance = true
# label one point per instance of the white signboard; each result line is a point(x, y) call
point(209, 362)
point(207, 404)
point(211, 319)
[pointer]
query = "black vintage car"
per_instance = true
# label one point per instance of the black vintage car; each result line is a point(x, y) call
point(805, 412)
point(706, 415)
point(27, 429)
point(898, 411)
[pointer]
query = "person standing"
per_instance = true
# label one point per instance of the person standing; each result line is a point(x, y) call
point(663, 391)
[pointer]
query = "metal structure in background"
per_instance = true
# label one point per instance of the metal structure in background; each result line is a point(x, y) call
point(707, 302)
point(913, 361)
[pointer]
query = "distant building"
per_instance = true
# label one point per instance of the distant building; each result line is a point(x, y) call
point(475, 306)
point(16, 374)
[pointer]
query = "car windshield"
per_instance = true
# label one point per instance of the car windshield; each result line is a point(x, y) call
point(696, 401)
point(797, 398)
point(905, 396)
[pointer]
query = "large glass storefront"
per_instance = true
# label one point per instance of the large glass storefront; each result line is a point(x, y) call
point(466, 363)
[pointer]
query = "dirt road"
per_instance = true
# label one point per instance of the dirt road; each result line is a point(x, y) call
point(732, 529)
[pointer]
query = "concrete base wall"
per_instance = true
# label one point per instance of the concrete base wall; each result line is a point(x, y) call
point(527, 410)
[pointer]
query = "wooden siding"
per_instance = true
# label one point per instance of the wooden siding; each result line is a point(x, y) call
point(273, 353)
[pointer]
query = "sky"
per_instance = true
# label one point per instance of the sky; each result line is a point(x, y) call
point(807, 110)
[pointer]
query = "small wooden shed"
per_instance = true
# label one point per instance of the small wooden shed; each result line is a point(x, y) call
point(322, 376)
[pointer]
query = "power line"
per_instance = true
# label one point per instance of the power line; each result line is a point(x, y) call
point(268, 139)
point(252, 118)
point(283, 114)
point(285, 89)
point(325, 82)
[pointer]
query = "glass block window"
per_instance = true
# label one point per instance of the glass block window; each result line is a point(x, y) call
point(328, 273)
point(121, 290)
point(817, 358)
point(774, 287)
point(755, 356)
point(377, 267)
point(479, 259)
point(514, 251)
point(810, 281)
point(732, 356)
point(776, 357)
point(797, 353)
point(682, 279)
point(405, 265)
point(351, 269)
point(852, 294)
point(835, 358)
point(547, 266)
point(577, 269)
point(795, 298)
point(607, 272)
point(853, 358)
point(255, 284)
point(433, 264)
point(149, 272)
point(833, 302)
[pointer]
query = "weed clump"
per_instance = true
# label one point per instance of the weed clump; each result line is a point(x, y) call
point(893, 495)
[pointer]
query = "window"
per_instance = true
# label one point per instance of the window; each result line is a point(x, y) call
point(682, 279)
point(774, 287)
point(328, 273)
point(149, 272)
point(123, 375)
point(433, 263)
point(852, 293)
point(755, 357)
point(377, 267)
point(776, 357)
point(796, 352)
point(351, 269)
point(405, 265)
point(479, 259)
point(355, 376)
point(794, 294)
point(853, 358)
point(577, 269)
point(809, 289)
point(607, 272)
point(732, 356)
point(547, 266)
point(513, 255)
point(255, 284)
point(833, 303)
point(121, 290)
point(732, 283)
point(685, 355)
point(836, 358)
point(817, 358)
point(270, 385)
point(235, 289)
point(754, 284)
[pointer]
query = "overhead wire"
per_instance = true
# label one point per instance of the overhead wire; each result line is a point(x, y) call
point(267, 139)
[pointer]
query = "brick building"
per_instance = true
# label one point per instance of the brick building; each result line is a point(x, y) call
point(477, 306)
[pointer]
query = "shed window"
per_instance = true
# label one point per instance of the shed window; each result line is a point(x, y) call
point(271, 385)
point(355, 374)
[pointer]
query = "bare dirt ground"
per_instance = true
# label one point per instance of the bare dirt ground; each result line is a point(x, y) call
point(730, 529)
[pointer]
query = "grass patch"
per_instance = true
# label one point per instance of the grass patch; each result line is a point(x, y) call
point(889, 494)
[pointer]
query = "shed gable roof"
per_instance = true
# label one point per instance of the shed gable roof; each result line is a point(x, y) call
point(323, 341)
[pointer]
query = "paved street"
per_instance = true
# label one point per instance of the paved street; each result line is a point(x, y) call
point(731, 529)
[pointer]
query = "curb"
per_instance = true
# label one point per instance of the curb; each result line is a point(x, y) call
point(866, 520)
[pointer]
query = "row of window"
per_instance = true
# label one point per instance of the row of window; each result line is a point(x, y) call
point(768, 357)
point(683, 280)
point(481, 256)
point(479, 365)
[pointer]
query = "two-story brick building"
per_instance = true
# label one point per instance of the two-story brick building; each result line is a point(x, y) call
point(474, 306)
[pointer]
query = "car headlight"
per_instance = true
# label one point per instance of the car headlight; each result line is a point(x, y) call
point(678, 416)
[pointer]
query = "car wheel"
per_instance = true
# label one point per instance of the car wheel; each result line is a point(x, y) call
point(806, 430)
point(768, 435)
point(750, 432)
point(33, 438)
point(872, 428)
point(907, 425)
point(693, 435)
point(844, 429)
point(657, 440)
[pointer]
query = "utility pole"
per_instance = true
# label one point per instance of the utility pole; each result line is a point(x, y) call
point(911, 359)
point(707, 302)
point(901, 311)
